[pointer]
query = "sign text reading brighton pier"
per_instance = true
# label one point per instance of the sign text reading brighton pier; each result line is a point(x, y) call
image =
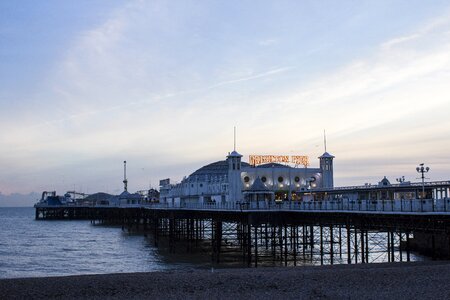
point(265, 159)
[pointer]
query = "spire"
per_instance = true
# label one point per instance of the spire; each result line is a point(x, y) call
point(125, 181)
point(234, 148)
point(325, 140)
point(234, 152)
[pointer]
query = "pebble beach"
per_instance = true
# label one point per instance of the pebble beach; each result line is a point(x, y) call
point(419, 280)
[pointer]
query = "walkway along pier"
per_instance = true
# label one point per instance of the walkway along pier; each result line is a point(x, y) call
point(284, 234)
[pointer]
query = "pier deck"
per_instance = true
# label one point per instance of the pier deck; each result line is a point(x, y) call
point(286, 234)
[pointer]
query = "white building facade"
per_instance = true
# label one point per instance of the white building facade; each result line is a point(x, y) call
point(229, 180)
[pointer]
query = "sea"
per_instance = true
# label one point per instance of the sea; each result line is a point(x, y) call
point(30, 248)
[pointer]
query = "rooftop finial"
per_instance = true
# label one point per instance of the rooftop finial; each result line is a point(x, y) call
point(325, 140)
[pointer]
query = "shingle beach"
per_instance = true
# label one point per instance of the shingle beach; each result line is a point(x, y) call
point(422, 280)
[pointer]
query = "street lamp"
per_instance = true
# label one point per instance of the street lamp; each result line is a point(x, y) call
point(421, 169)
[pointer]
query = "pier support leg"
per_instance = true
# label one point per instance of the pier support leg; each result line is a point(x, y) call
point(407, 248)
point(356, 246)
point(249, 244)
point(256, 246)
point(321, 244)
point(331, 245)
point(362, 247)
point(349, 248)
point(392, 247)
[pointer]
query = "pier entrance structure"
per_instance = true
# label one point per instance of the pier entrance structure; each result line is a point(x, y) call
point(228, 181)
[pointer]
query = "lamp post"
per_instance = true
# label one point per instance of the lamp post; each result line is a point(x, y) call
point(422, 170)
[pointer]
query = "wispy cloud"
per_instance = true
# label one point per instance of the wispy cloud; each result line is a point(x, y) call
point(164, 85)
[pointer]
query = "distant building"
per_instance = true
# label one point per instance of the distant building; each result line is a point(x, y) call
point(232, 180)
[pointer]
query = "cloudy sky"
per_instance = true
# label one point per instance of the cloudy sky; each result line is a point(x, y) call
point(85, 85)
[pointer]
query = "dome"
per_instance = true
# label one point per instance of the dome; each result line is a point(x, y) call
point(217, 168)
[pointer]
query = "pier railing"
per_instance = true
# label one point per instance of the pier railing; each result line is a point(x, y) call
point(412, 206)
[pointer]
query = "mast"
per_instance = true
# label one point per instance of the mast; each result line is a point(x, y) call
point(234, 148)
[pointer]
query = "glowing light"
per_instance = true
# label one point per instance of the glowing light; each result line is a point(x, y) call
point(264, 159)
point(300, 160)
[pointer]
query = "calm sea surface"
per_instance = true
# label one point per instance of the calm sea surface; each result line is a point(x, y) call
point(30, 248)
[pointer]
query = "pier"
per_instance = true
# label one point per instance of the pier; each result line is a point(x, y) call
point(284, 234)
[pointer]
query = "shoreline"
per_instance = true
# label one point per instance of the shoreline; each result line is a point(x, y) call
point(415, 280)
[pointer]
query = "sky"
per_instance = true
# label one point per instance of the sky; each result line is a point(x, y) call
point(85, 85)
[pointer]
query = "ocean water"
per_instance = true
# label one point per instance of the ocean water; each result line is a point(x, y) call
point(30, 248)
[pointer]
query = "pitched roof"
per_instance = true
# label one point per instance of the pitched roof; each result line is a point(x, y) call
point(258, 186)
point(326, 155)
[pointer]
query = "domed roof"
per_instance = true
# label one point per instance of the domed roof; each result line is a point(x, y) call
point(326, 155)
point(218, 168)
point(234, 154)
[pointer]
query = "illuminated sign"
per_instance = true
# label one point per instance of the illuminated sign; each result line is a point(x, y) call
point(300, 160)
point(265, 159)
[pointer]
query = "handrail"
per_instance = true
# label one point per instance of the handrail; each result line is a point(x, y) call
point(412, 206)
point(403, 205)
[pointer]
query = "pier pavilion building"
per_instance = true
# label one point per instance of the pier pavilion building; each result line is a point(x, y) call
point(232, 180)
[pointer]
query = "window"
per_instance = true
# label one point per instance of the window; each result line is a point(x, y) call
point(201, 184)
point(246, 179)
point(263, 179)
point(297, 179)
point(280, 179)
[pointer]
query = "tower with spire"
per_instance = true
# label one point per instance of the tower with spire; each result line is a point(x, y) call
point(326, 166)
point(234, 174)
